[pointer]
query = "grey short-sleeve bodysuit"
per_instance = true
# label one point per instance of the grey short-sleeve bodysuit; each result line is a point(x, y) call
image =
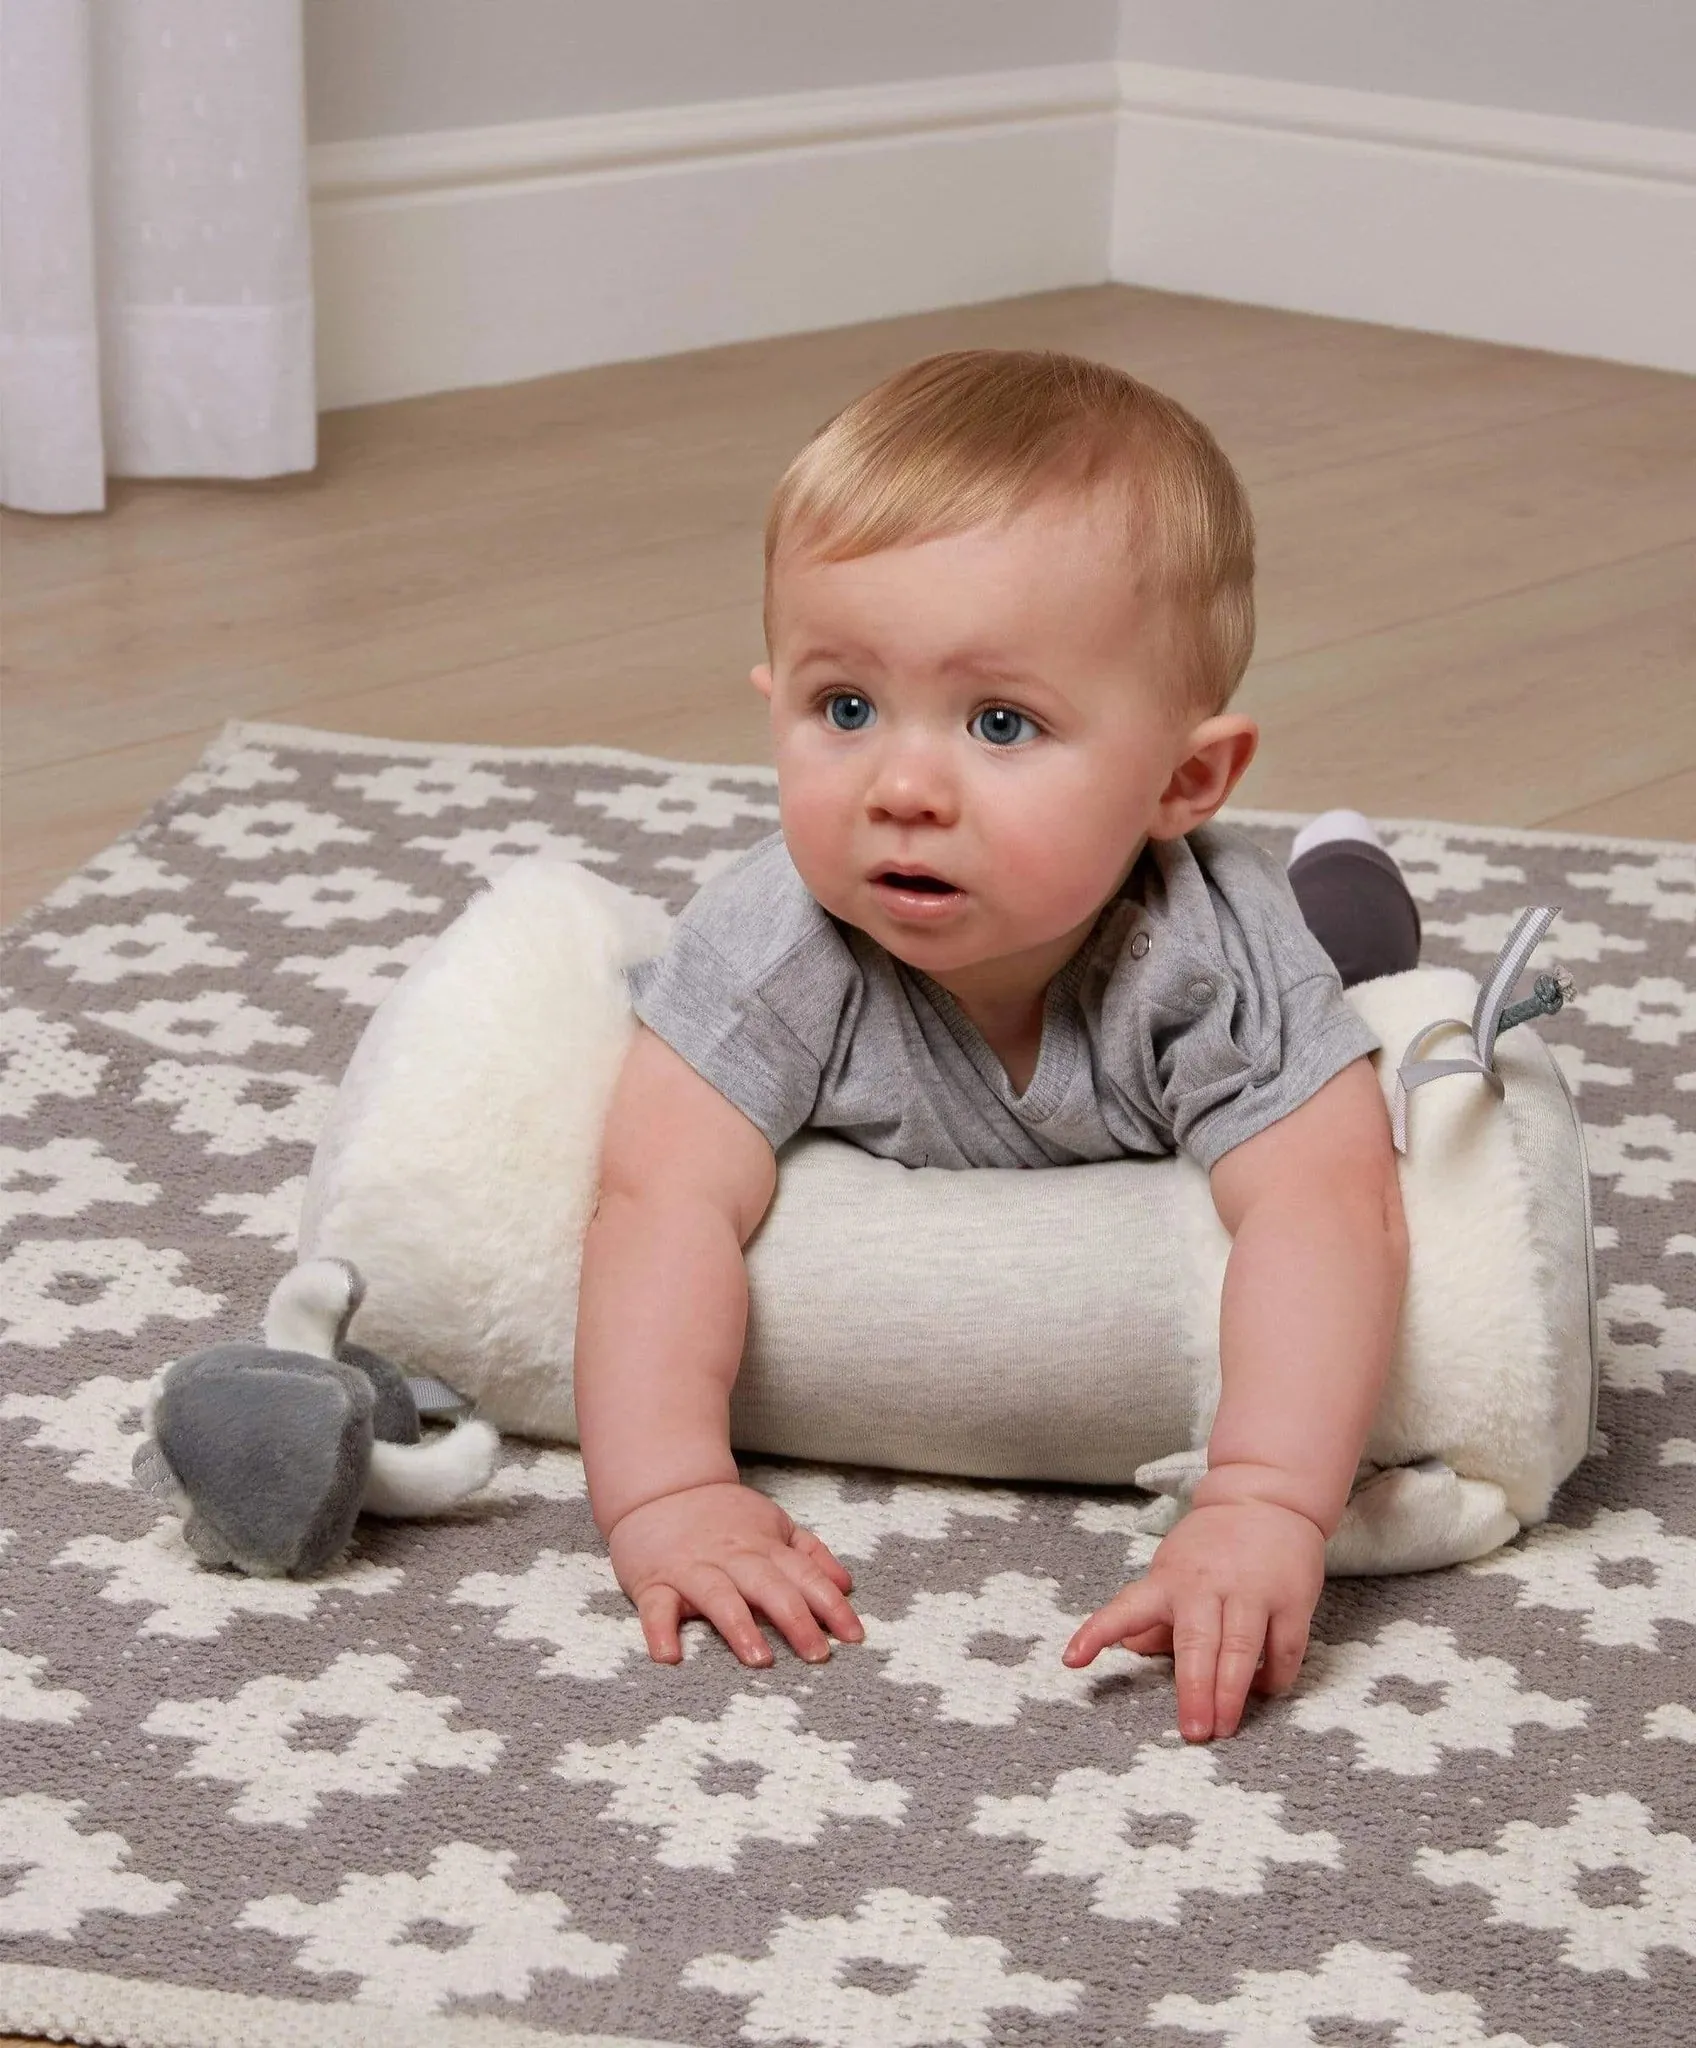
point(1199, 1010)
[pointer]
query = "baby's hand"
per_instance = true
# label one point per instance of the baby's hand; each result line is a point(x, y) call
point(720, 1551)
point(1229, 1597)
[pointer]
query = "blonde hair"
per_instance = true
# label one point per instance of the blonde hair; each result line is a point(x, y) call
point(973, 437)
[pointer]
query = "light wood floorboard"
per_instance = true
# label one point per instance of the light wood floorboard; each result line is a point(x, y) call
point(1476, 586)
point(1510, 711)
point(1654, 810)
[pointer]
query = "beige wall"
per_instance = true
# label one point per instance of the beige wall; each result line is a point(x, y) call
point(391, 67)
point(1607, 60)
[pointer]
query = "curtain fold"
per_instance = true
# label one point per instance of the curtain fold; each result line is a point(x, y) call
point(155, 259)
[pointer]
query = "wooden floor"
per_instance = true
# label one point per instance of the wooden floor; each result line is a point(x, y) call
point(1477, 586)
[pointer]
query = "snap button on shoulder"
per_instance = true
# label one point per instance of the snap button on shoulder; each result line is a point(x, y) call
point(1200, 990)
point(1139, 945)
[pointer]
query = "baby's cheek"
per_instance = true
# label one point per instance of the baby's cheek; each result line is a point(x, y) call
point(818, 829)
point(1058, 868)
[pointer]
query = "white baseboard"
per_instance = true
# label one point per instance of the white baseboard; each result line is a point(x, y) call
point(1577, 236)
point(480, 256)
point(486, 255)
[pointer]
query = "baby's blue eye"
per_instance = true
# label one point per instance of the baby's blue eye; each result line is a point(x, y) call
point(848, 712)
point(1001, 727)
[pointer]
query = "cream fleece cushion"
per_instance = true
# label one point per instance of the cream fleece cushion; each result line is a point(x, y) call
point(1058, 1324)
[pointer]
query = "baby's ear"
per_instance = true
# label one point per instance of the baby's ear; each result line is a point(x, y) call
point(1218, 752)
point(761, 680)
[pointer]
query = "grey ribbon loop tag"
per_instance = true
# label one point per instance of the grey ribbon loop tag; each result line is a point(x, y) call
point(433, 1397)
point(1478, 1052)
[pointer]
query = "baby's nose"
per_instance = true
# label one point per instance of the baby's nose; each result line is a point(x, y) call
point(912, 788)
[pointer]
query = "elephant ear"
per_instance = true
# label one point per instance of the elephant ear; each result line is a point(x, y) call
point(394, 1414)
point(271, 1449)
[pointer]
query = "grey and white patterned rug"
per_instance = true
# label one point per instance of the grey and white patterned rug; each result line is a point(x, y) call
point(442, 1797)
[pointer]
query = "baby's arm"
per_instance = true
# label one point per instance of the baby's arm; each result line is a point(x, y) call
point(1307, 1321)
point(662, 1308)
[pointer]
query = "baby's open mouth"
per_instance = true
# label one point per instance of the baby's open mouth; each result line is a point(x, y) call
point(920, 885)
point(911, 897)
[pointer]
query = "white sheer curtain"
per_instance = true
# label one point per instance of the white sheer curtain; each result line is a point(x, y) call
point(155, 274)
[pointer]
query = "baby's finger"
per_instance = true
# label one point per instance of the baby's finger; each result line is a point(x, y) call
point(764, 1583)
point(823, 1596)
point(1286, 1646)
point(1195, 1659)
point(713, 1593)
point(1138, 1606)
point(1242, 1635)
point(660, 1610)
point(822, 1555)
point(1149, 1642)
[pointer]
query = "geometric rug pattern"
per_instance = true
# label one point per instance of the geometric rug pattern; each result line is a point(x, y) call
point(440, 1795)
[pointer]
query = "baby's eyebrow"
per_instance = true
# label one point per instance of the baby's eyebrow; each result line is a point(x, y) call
point(833, 657)
point(987, 670)
point(970, 664)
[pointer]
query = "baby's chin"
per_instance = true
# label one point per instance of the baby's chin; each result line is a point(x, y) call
point(977, 942)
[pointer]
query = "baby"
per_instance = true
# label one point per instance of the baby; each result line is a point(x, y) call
point(1008, 599)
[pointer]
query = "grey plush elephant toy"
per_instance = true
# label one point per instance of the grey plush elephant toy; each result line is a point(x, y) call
point(271, 1451)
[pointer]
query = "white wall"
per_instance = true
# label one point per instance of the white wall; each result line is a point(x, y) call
point(1603, 60)
point(1519, 171)
point(507, 188)
point(395, 67)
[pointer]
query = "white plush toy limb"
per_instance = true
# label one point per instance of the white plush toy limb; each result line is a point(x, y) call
point(309, 1313)
point(1059, 1324)
point(406, 1481)
point(1408, 1518)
